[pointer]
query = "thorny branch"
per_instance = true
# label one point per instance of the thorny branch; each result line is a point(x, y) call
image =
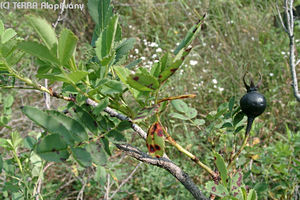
point(289, 29)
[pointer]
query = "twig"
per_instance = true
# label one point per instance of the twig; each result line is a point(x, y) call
point(125, 181)
point(166, 164)
point(290, 32)
point(107, 188)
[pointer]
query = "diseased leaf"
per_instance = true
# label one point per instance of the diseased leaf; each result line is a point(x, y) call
point(82, 156)
point(7, 35)
point(216, 189)
point(66, 46)
point(236, 184)
point(44, 30)
point(155, 141)
point(143, 82)
point(52, 148)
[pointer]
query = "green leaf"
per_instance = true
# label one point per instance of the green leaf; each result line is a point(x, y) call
point(112, 87)
point(1, 27)
point(191, 113)
point(38, 50)
point(100, 175)
point(143, 82)
point(124, 125)
point(29, 142)
point(86, 119)
point(100, 11)
point(116, 136)
point(8, 101)
point(237, 118)
point(48, 122)
point(1, 160)
point(54, 77)
point(76, 76)
point(231, 103)
point(82, 156)
point(222, 168)
point(123, 48)
point(7, 35)
point(44, 30)
point(178, 116)
point(190, 36)
point(66, 46)
point(180, 105)
point(105, 42)
point(52, 148)
point(252, 195)
point(101, 106)
point(218, 190)
point(199, 122)
point(97, 152)
point(155, 141)
point(74, 127)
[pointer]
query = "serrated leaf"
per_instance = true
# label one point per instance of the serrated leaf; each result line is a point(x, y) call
point(1, 160)
point(142, 82)
point(38, 50)
point(105, 41)
point(252, 195)
point(116, 136)
point(86, 119)
point(191, 113)
point(100, 11)
point(48, 122)
point(189, 37)
point(66, 46)
point(112, 87)
point(97, 152)
point(1, 27)
point(74, 127)
point(180, 106)
point(236, 184)
point(76, 76)
point(82, 156)
point(199, 122)
point(52, 148)
point(54, 77)
point(220, 163)
point(231, 103)
point(7, 35)
point(29, 142)
point(237, 118)
point(218, 190)
point(178, 116)
point(101, 106)
point(123, 49)
point(44, 30)
point(155, 141)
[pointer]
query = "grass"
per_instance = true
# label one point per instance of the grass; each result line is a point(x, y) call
point(238, 36)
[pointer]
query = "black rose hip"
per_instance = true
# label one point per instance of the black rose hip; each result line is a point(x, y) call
point(253, 103)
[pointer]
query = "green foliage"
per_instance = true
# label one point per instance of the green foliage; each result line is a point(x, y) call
point(240, 33)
